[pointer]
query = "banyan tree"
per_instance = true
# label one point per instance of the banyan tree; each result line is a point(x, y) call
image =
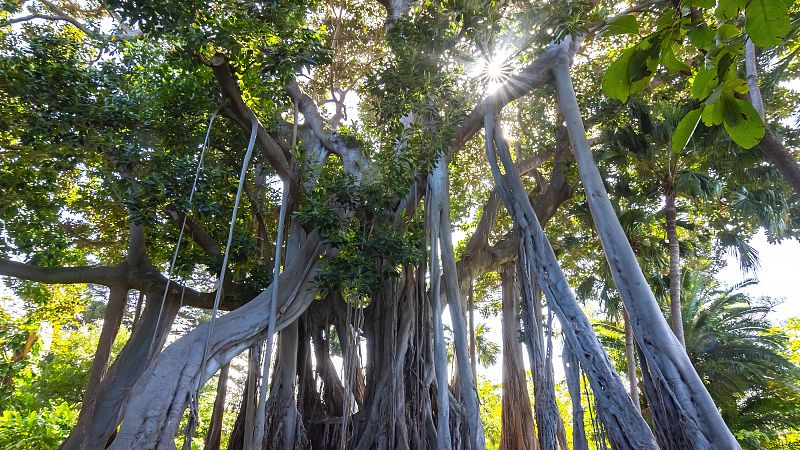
point(298, 170)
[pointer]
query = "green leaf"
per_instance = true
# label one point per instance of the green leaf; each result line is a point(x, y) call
point(713, 112)
point(616, 83)
point(626, 24)
point(742, 122)
point(672, 63)
point(767, 21)
point(726, 31)
point(685, 129)
point(704, 3)
point(702, 37)
point(705, 81)
point(728, 9)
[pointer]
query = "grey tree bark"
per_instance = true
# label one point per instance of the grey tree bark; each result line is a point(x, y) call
point(469, 392)
point(627, 428)
point(572, 373)
point(433, 210)
point(630, 360)
point(692, 417)
point(161, 395)
point(544, 394)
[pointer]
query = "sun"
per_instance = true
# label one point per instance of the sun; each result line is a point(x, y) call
point(494, 71)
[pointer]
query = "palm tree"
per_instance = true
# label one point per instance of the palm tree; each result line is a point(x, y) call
point(738, 354)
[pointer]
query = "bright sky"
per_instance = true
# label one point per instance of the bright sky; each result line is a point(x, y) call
point(780, 264)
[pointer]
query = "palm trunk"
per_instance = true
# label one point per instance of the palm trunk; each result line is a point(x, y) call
point(630, 362)
point(693, 418)
point(676, 316)
point(517, 431)
point(214, 435)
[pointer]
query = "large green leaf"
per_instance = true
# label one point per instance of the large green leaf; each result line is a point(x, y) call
point(728, 9)
point(742, 122)
point(685, 129)
point(767, 21)
point(616, 82)
point(626, 24)
point(705, 81)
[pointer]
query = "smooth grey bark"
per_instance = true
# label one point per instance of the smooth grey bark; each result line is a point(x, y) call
point(685, 399)
point(214, 435)
point(161, 395)
point(572, 375)
point(473, 359)
point(772, 148)
point(751, 74)
point(98, 423)
point(627, 428)
point(544, 395)
point(469, 393)
point(630, 360)
point(676, 315)
point(433, 210)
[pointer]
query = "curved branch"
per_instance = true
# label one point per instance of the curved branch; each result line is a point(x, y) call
point(103, 275)
point(244, 116)
point(197, 233)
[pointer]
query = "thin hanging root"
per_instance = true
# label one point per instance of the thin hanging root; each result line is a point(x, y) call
point(221, 278)
point(185, 218)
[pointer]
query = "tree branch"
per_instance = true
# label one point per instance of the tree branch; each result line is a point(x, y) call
point(197, 233)
point(244, 115)
point(102, 275)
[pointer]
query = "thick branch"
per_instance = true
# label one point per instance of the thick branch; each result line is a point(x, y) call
point(197, 233)
point(103, 275)
point(482, 257)
point(244, 115)
point(536, 74)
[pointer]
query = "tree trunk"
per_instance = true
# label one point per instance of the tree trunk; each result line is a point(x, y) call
point(115, 309)
point(242, 435)
point(686, 400)
point(544, 393)
point(572, 373)
point(98, 420)
point(433, 210)
point(284, 430)
point(472, 344)
point(160, 397)
point(772, 148)
point(458, 320)
point(628, 428)
point(676, 315)
point(517, 430)
point(630, 362)
point(214, 435)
